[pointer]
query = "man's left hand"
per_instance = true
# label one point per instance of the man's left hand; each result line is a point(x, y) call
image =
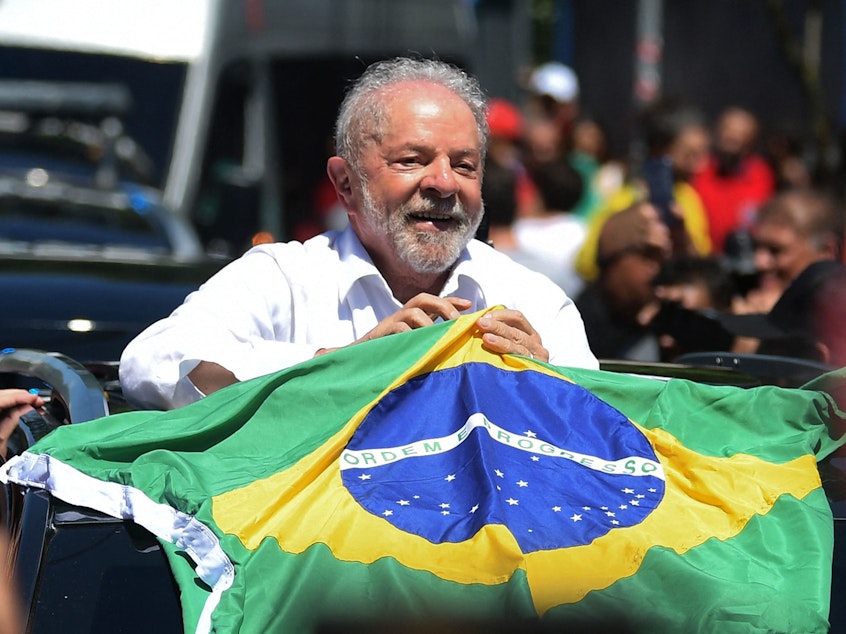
point(508, 331)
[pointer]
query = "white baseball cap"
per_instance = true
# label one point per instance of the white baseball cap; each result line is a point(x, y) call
point(555, 80)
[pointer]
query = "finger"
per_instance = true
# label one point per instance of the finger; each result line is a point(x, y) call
point(15, 396)
point(504, 320)
point(401, 321)
point(434, 306)
point(503, 345)
point(509, 331)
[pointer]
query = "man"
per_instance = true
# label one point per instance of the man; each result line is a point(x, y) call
point(619, 303)
point(736, 180)
point(808, 321)
point(410, 142)
point(794, 229)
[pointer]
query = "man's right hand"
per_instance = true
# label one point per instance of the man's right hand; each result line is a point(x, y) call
point(420, 311)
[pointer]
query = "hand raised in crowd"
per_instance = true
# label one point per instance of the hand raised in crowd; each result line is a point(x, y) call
point(13, 403)
point(638, 228)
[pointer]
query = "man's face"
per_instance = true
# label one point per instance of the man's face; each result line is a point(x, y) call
point(628, 281)
point(781, 253)
point(736, 132)
point(689, 153)
point(420, 198)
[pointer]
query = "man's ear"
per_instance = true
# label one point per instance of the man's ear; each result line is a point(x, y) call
point(340, 173)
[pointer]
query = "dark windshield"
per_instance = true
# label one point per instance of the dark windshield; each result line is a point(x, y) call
point(34, 221)
point(155, 90)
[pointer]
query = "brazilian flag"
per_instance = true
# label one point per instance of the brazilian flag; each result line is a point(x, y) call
point(419, 481)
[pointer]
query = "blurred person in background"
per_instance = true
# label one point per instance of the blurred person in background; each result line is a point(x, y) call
point(590, 148)
point(554, 96)
point(552, 120)
point(618, 305)
point(11, 621)
point(13, 403)
point(784, 153)
point(807, 322)
point(506, 143)
point(677, 136)
point(736, 180)
point(547, 239)
point(694, 283)
point(794, 229)
point(554, 234)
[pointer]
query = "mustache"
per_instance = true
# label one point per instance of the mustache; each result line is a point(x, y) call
point(445, 206)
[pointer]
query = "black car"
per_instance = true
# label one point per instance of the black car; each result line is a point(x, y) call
point(89, 254)
point(89, 306)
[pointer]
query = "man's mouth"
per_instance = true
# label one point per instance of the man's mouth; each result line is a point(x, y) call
point(441, 221)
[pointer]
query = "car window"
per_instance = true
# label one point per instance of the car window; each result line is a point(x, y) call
point(37, 221)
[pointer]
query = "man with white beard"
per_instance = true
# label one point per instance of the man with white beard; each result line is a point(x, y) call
point(410, 143)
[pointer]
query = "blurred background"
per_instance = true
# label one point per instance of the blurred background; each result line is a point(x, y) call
point(194, 71)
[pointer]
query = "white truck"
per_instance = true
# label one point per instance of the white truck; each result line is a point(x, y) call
point(231, 100)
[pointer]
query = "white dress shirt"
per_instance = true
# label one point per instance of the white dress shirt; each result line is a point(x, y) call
point(279, 303)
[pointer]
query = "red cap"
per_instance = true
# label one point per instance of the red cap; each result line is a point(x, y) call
point(504, 119)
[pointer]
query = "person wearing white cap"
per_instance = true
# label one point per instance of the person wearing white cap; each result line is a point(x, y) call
point(555, 80)
point(554, 94)
point(552, 113)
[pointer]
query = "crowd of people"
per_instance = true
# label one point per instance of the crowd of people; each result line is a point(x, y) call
point(701, 218)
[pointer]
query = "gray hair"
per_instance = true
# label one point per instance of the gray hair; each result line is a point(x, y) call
point(362, 111)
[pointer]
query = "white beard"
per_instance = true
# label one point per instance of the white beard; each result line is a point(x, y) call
point(422, 251)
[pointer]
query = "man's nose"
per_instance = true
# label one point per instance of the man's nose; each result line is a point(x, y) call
point(440, 178)
point(763, 259)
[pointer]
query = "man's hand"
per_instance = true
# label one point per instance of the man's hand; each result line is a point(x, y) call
point(14, 403)
point(508, 331)
point(420, 311)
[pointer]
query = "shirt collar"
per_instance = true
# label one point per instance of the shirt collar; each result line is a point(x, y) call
point(470, 270)
point(356, 261)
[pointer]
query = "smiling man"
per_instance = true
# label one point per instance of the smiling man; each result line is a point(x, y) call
point(410, 142)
